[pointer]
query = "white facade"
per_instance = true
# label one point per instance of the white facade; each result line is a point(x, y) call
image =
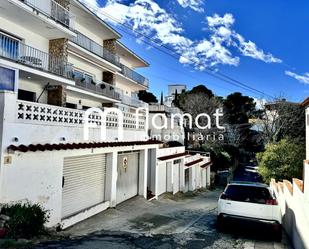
point(163, 126)
point(172, 90)
point(50, 73)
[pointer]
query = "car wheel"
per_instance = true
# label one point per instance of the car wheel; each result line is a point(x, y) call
point(278, 234)
point(220, 223)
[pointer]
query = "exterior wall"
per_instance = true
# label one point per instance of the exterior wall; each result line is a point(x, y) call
point(85, 66)
point(294, 208)
point(166, 134)
point(93, 36)
point(30, 38)
point(127, 86)
point(172, 89)
point(34, 86)
point(40, 180)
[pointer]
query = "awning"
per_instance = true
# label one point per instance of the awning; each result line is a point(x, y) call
point(73, 146)
point(206, 165)
point(193, 162)
point(173, 156)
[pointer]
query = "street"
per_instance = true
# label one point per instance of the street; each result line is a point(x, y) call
point(181, 221)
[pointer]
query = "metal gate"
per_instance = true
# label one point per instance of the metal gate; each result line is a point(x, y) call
point(83, 183)
point(128, 175)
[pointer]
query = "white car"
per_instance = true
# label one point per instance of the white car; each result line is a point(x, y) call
point(253, 202)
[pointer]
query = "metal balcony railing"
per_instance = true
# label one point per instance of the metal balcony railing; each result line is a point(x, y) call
point(53, 10)
point(131, 74)
point(131, 101)
point(99, 50)
point(99, 87)
point(95, 48)
point(17, 51)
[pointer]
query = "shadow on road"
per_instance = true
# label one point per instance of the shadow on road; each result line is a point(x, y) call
point(248, 230)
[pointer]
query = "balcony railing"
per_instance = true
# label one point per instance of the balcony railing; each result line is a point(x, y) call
point(131, 101)
point(131, 74)
point(53, 10)
point(98, 87)
point(99, 50)
point(17, 51)
point(95, 48)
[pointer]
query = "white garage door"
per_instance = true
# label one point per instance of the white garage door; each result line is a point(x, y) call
point(127, 179)
point(83, 183)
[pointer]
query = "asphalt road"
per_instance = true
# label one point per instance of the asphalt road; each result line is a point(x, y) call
point(184, 221)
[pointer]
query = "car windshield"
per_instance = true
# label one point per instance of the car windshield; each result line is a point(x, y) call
point(247, 194)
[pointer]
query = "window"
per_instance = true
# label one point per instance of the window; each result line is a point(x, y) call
point(7, 79)
point(177, 161)
point(71, 105)
point(9, 46)
point(26, 95)
point(247, 194)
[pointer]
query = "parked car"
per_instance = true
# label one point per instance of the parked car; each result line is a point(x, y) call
point(252, 202)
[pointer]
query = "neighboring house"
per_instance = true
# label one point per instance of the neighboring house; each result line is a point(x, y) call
point(172, 91)
point(169, 118)
point(58, 59)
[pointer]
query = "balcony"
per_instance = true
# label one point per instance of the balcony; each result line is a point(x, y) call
point(98, 87)
point(99, 50)
point(19, 52)
point(131, 101)
point(52, 10)
point(95, 48)
point(131, 74)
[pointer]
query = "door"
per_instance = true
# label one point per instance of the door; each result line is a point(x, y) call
point(83, 183)
point(127, 179)
point(176, 176)
point(187, 180)
point(161, 178)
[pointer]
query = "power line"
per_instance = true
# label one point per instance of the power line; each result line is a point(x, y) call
point(176, 55)
point(209, 71)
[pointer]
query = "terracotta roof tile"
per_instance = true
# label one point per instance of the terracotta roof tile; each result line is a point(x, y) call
point(72, 146)
point(193, 162)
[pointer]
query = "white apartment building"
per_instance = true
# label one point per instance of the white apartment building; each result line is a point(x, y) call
point(172, 90)
point(58, 59)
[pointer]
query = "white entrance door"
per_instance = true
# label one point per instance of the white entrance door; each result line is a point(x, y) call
point(127, 180)
point(83, 183)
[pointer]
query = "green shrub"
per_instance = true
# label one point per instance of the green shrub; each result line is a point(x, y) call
point(26, 220)
point(282, 160)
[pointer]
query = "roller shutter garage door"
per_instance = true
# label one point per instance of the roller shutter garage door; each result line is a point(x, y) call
point(127, 179)
point(83, 183)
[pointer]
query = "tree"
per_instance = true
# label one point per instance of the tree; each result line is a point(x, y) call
point(238, 108)
point(282, 160)
point(200, 90)
point(281, 119)
point(147, 97)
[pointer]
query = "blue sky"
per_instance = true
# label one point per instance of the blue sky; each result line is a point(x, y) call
point(262, 43)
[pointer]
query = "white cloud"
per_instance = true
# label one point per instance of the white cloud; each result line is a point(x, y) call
point(193, 4)
point(301, 78)
point(148, 18)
